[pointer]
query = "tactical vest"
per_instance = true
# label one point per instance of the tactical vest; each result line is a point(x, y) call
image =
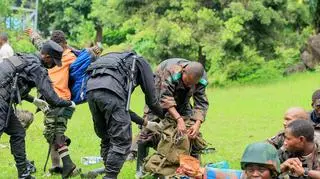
point(8, 69)
point(116, 65)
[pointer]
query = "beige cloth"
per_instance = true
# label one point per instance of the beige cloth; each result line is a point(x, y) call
point(5, 51)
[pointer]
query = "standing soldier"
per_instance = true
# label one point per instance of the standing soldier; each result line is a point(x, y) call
point(18, 74)
point(112, 79)
point(177, 80)
point(56, 118)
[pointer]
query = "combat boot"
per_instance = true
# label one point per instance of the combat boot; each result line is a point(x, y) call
point(94, 173)
point(23, 172)
point(31, 166)
point(69, 168)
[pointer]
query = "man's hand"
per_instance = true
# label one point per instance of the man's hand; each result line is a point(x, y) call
point(41, 104)
point(153, 126)
point(181, 126)
point(28, 32)
point(193, 131)
point(290, 164)
point(297, 169)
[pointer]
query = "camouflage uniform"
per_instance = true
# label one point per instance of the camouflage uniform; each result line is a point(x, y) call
point(169, 84)
point(277, 140)
point(310, 161)
point(172, 92)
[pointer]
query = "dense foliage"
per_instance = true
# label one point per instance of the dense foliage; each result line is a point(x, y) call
point(237, 40)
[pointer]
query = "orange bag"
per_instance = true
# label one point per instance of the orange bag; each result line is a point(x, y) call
point(190, 166)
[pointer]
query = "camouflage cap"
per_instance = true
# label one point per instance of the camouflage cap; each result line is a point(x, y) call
point(25, 118)
point(261, 153)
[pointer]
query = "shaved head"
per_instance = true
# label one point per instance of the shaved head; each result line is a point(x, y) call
point(294, 113)
point(192, 73)
point(194, 69)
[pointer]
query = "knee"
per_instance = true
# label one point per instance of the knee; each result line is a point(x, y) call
point(123, 148)
point(61, 140)
point(21, 133)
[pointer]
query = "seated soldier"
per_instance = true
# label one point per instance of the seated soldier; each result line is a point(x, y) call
point(260, 160)
point(299, 155)
point(291, 114)
point(315, 115)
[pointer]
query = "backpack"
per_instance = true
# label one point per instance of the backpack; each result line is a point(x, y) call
point(78, 76)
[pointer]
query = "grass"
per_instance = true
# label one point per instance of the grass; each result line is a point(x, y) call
point(237, 116)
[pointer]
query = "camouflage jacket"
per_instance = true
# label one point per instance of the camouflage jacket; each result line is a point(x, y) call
point(310, 161)
point(277, 140)
point(168, 82)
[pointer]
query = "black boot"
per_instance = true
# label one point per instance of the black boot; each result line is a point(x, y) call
point(142, 154)
point(31, 166)
point(55, 170)
point(69, 168)
point(107, 177)
point(23, 172)
point(94, 173)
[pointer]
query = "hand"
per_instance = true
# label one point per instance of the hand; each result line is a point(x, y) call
point(153, 126)
point(73, 105)
point(41, 104)
point(28, 32)
point(193, 131)
point(181, 126)
point(297, 169)
point(290, 164)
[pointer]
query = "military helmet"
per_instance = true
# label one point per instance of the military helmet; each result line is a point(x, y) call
point(261, 153)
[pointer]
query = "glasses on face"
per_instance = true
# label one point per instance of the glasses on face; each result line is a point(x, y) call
point(252, 169)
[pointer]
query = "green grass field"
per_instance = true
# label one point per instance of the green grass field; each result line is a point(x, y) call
point(237, 116)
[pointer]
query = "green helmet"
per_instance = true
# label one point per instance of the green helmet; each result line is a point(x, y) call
point(261, 153)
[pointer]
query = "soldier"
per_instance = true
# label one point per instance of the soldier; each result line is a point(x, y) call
point(291, 114)
point(56, 118)
point(260, 160)
point(108, 89)
point(18, 74)
point(177, 80)
point(299, 155)
point(315, 115)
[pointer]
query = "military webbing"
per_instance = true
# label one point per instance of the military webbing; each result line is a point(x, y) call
point(12, 95)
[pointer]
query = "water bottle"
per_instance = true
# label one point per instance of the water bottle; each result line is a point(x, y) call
point(90, 160)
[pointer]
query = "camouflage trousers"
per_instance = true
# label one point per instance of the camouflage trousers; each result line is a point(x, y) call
point(55, 123)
